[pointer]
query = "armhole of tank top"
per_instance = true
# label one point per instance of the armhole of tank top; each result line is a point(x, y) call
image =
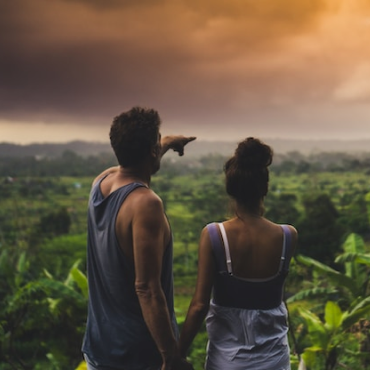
point(227, 249)
point(132, 186)
point(99, 181)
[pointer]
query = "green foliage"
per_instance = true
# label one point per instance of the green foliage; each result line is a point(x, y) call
point(335, 276)
point(69, 248)
point(32, 312)
point(282, 208)
point(319, 228)
point(313, 293)
point(43, 287)
point(54, 223)
point(354, 215)
point(329, 337)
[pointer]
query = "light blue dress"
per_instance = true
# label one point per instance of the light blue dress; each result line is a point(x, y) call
point(244, 338)
point(241, 339)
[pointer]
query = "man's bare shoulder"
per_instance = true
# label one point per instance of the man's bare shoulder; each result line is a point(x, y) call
point(142, 207)
point(146, 209)
point(146, 198)
point(105, 173)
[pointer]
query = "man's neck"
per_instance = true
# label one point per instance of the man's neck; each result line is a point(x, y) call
point(135, 174)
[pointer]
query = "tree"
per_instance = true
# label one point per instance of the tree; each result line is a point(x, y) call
point(281, 208)
point(55, 222)
point(209, 203)
point(354, 216)
point(320, 232)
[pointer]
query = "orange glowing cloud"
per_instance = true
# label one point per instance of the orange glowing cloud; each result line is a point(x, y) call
point(280, 65)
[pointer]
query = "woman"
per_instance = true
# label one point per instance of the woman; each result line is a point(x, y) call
point(245, 261)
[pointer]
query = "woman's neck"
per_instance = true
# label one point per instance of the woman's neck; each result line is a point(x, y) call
point(244, 213)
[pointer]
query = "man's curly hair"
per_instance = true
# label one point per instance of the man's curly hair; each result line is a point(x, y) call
point(133, 134)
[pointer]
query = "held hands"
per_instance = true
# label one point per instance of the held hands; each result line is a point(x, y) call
point(176, 143)
point(178, 364)
point(175, 361)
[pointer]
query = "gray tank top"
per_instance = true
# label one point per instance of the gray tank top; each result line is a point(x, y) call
point(116, 335)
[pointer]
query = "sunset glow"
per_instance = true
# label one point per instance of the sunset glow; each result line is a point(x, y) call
point(216, 69)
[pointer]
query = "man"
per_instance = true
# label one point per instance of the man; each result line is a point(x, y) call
point(131, 323)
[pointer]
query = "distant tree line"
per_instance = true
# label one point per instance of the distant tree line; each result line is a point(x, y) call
point(68, 164)
point(295, 162)
point(72, 164)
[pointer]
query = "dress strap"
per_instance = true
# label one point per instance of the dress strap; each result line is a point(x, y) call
point(287, 246)
point(218, 251)
point(227, 249)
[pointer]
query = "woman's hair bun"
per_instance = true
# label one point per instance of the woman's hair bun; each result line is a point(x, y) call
point(253, 154)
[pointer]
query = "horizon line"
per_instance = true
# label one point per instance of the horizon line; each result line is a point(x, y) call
point(197, 140)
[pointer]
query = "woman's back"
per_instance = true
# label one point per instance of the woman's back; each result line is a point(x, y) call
point(237, 281)
point(247, 320)
point(255, 245)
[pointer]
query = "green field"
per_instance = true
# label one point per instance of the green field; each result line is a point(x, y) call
point(43, 234)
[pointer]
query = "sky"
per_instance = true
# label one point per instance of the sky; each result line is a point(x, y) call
point(216, 69)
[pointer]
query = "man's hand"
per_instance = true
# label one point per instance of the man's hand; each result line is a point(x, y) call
point(176, 143)
point(178, 364)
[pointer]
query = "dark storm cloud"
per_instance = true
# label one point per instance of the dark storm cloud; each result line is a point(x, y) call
point(204, 61)
point(114, 4)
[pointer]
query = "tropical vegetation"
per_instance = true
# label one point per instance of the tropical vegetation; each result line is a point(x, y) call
point(43, 289)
